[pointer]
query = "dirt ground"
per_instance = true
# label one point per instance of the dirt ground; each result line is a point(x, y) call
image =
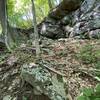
point(62, 54)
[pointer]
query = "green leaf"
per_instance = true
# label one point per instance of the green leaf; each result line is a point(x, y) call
point(82, 98)
point(87, 91)
point(97, 88)
point(97, 99)
point(97, 78)
point(24, 98)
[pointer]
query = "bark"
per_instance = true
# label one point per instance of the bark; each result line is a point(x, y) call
point(87, 20)
point(3, 17)
point(35, 31)
point(7, 32)
point(2, 13)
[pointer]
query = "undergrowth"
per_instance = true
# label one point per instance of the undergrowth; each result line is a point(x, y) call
point(90, 55)
point(90, 93)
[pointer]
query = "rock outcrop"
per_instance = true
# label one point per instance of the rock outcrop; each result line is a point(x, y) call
point(82, 23)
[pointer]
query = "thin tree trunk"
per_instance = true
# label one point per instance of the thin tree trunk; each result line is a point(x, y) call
point(4, 23)
point(35, 31)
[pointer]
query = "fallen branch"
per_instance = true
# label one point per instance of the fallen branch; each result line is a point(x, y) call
point(55, 71)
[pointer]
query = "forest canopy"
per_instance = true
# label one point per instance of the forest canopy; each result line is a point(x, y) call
point(20, 13)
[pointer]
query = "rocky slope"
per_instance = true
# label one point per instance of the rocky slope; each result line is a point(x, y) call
point(73, 59)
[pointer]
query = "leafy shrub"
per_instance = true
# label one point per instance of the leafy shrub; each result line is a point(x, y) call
point(90, 93)
point(86, 55)
point(97, 65)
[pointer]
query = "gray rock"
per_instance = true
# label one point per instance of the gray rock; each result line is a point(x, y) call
point(7, 97)
point(87, 20)
point(44, 81)
point(84, 20)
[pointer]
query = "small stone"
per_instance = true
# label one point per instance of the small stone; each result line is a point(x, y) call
point(7, 97)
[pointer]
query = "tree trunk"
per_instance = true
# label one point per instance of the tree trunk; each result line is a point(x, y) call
point(35, 31)
point(2, 13)
point(4, 24)
point(7, 31)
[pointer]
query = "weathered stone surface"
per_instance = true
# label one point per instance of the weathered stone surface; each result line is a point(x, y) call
point(82, 23)
point(87, 20)
point(44, 81)
point(51, 28)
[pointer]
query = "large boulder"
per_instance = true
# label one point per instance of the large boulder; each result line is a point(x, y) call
point(86, 20)
point(82, 23)
point(45, 81)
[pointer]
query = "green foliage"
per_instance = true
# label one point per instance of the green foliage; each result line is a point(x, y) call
point(17, 9)
point(20, 16)
point(88, 55)
point(20, 12)
point(97, 65)
point(91, 55)
point(90, 93)
point(87, 91)
point(24, 98)
point(2, 57)
point(42, 9)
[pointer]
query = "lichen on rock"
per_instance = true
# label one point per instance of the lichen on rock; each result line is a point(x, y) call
point(44, 81)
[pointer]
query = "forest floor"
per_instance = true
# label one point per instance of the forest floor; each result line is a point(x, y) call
point(77, 59)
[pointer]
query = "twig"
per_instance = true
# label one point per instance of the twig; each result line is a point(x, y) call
point(97, 70)
point(86, 71)
point(55, 71)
